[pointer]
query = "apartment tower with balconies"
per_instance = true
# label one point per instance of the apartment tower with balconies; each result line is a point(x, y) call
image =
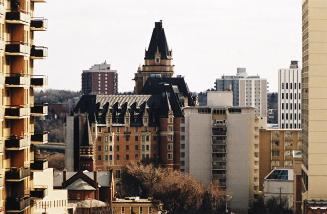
point(18, 80)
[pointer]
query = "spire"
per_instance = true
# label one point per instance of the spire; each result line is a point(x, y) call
point(158, 43)
point(87, 135)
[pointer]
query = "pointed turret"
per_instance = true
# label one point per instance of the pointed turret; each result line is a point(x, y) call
point(158, 43)
point(157, 60)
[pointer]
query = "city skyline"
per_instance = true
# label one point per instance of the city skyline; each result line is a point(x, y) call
point(261, 36)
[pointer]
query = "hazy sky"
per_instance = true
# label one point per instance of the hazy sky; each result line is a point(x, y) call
point(209, 38)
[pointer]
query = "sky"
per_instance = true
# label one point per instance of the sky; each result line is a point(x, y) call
point(209, 38)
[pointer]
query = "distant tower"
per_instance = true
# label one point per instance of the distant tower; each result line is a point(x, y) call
point(157, 60)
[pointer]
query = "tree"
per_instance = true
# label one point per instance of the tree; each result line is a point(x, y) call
point(178, 192)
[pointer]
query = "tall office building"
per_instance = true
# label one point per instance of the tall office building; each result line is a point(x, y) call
point(211, 151)
point(100, 79)
point(18, 53)
point(314, 102)
point(289, 97)
point(248, 91)
point(157, 61)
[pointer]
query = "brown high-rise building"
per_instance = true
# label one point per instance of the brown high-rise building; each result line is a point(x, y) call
point(157, 61)
point(100, 79)
point(18, 52)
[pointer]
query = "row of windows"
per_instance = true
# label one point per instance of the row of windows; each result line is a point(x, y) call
point(136, 147)
point(285, 106)
point(127, 157)
point(49, 204)
point(290, 95)
point(118, 129)
point(140, 209)
point(145, 138)
point(290, 85)
point(291, 116)
point(291, 126)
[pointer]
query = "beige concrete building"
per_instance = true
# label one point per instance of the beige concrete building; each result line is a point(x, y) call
point(51, 201)
point(226, 140)
point(18, 81)
point(314, 102)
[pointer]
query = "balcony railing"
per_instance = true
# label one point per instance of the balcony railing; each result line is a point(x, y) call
point(18, 17)
point(39, 192)
point(17, 143)
point(17, 205)
point(219, 159)
point(39, 138)
point(39, 81)
point(219, 142)
point(39, 24)
point(17, 174)
point(17, 80)
point(38, 1)
point(2, 8)
point(39, 52)
point(16, 112)
point(17, 49)
point(219, 176)
point(39, 110)
point(218, 166)
point(39, 164)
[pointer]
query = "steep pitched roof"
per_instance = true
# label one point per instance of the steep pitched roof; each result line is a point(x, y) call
point(87, 136)
point(158, 43)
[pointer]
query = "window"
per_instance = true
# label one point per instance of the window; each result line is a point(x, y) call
point(286, 106)
point(299, 85)
point(110, 148)
point(136, 147)
point(106, 157)
point(136, 156)
point(282, 85)
point(127, 157)
point(110, 157)
point(182, 154)
point(282, 95)
point(291, 96)
point(286, 85)
point(99, 157)
point(117, 173)
point(136, 138)
point(290, 85)
point(282, 116)
point(117, 157)
point(183, 137)
point(275, 153)
point(127, 147)
point(141, 210)
point(106, 148)
point(169, 156)
point(182, 146)
point(117, 148)
point(147, 138)
point(117, 138)
point(282, 105)
point(99, 148)
point(182, 129)
point(286, 95)
point(127, 137)
point(147, 147)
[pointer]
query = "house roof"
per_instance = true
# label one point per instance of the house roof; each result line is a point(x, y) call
point(91, 203)
point(80, 184)
point(103, 178)
point(280, 175)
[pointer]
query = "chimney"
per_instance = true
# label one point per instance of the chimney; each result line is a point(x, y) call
point(64, 175)
point(294, 64)
point(95, 176)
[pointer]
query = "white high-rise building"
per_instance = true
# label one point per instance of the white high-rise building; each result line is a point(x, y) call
point(289, 97)
point(248, 91)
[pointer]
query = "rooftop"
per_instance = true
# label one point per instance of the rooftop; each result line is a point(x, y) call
point(280, 175)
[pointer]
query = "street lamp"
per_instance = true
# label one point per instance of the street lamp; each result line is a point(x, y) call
point(227, 198)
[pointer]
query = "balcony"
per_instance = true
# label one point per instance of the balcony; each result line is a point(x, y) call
point(39, 52)
point(18, 17)
point(39, 24)
point(17, 174)
point(39, 164)
point(39, 110)
point(17, 49)
point(39, 81)
point(218, 166)
point(39, 138)
point(219, 142)
point(2, 9)
point(17, 80)
point(17, 205)
point(16, 112)
point(218, 159)
point(17, 143)
point(39, 192)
